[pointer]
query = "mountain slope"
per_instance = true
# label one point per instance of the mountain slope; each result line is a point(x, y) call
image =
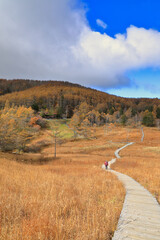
point(60, 97)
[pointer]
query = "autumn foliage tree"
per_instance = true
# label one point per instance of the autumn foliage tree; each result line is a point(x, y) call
point(158, 113)
point(148, 119)
point(84, 118)
point(123, 119)
point(16, 129)
point(75, 123)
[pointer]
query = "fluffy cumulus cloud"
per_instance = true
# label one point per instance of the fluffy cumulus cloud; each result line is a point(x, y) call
point(52, 39)
point(100, 23)
point(114, 57)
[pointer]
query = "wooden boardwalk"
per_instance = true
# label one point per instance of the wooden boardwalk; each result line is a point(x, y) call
point(140, 216)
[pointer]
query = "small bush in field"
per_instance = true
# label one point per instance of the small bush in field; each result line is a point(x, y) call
point(39, 121)
point(42, 122)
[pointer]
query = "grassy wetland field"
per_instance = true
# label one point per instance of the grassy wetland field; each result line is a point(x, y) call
point(71, 197)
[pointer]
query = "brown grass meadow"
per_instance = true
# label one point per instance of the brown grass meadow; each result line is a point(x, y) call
point(141, 161)
point(70, 197)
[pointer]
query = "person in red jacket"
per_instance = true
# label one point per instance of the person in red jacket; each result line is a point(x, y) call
point(106, 164)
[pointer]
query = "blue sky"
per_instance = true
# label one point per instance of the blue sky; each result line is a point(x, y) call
point(111, 45)
point(118, 16)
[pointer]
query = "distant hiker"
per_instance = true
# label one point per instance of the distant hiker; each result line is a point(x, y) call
point(106, 164)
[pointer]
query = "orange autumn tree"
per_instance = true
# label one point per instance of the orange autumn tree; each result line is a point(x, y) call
point(84, 119)
point(16, 129)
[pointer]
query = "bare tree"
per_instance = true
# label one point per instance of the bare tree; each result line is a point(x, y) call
point(55, 128)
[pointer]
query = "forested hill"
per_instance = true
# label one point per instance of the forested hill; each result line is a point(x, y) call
point(59, 99)
point(16, 85)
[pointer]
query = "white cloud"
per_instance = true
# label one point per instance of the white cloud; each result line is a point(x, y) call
point(100, 23)
point(36, 37)
point(113, 57)
point(51, 39)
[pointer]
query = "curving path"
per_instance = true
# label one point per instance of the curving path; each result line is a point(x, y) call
point(140, 216)
point(142, 135)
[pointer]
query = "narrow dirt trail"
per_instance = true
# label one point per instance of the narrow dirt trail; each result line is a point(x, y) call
point(140, 216)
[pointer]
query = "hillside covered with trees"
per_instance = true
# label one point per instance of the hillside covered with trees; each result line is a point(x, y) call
point(16, 85)
point(56, 99)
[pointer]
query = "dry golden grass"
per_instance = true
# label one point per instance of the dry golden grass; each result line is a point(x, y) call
point(68, 198)
point(71, 197)
point(142, 160)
